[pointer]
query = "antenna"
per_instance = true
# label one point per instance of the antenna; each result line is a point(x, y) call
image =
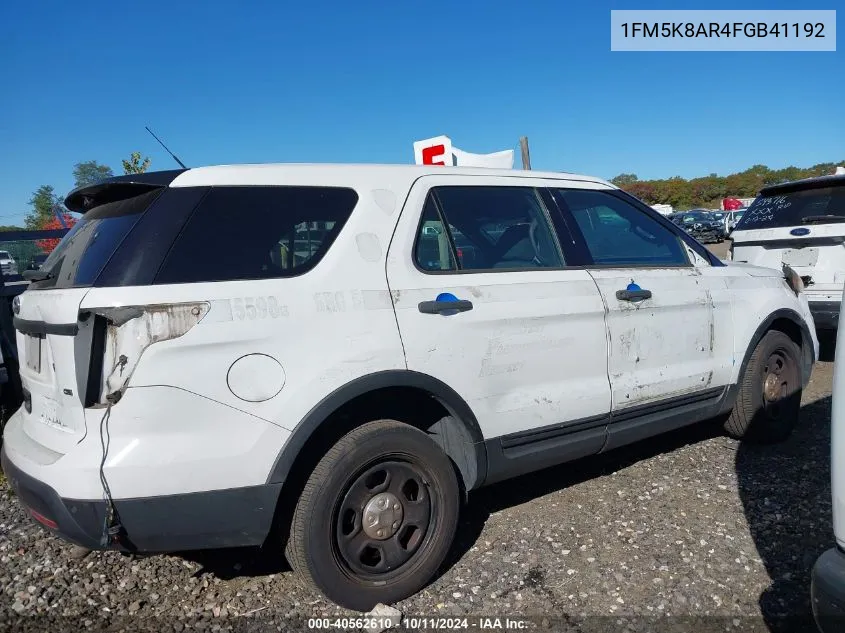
point(181, 164)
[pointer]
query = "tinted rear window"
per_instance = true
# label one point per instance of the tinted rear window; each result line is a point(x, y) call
point(795, 208)
point(83, 253)
point(257, 233)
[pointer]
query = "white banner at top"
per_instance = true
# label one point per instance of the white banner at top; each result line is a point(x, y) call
point(439, 150)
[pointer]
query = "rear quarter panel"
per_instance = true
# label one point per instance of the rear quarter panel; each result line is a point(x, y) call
point(335, 323)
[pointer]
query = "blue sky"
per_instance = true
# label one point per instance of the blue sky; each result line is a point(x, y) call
point(360, 81)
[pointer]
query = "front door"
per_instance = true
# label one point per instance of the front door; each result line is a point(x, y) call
point(669, 325)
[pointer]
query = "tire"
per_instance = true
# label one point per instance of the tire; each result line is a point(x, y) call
point(769, 399)
point(367, 472)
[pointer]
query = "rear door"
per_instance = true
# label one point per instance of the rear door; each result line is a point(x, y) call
point(669, 325)
point(486, 304)
point(802, 226)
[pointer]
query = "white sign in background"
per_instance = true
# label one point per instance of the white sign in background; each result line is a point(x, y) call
point(676, 30)
point(439, 150)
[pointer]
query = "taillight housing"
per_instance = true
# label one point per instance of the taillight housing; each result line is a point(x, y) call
point(128, 331)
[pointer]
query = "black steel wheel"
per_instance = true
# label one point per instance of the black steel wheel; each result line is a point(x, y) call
point(769, 399)
point(377, 516)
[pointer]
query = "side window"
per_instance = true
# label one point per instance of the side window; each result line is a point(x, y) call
point(618, 234)
point(497, 227)
point(433, 250)
point(257, 233)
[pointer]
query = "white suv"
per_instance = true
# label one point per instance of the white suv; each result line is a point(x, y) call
point(305, 347)
point(8, 265)
point(800, 224)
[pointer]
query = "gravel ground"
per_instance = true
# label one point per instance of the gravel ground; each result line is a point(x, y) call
point(691, 525)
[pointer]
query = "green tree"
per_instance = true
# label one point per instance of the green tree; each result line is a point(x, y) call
point(708, 191)
point(135, 165)
point(624, 179)
point(89, 172)
point(43, 201)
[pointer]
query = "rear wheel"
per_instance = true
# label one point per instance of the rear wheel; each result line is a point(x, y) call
point(769, 398)
point(377, 516)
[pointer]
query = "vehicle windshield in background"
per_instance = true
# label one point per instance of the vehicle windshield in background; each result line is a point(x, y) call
point(795, 208)
point(696, 216)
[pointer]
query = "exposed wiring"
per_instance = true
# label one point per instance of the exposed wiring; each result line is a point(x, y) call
point(111, 521)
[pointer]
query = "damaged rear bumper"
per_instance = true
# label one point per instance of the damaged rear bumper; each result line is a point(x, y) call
point(200, 520)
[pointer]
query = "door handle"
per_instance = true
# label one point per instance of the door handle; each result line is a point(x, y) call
point(439, 307)
point(633, 295)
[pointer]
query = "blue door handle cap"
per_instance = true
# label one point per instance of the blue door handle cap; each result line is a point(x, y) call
point(446, 296)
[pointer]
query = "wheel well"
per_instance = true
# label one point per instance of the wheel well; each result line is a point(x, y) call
point(412, 405)
point(790, 328)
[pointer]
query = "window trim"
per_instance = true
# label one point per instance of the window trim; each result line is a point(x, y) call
point(431, 191)
point(579, 236)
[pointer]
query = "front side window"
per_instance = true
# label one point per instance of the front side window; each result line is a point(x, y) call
point(257, 233)
point(616, 233)
point(487, 228)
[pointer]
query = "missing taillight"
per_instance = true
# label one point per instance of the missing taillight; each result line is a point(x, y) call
point(125, 333)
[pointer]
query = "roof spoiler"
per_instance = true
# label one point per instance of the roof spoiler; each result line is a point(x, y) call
point(84, 198)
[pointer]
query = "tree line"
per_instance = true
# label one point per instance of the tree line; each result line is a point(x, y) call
point(708, 191)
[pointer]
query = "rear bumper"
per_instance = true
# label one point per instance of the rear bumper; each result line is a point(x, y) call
point(200, 520)
point(827, 591)
point(825, 314)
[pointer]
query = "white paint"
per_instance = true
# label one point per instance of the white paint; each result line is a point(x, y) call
point(368, 246)
point(678, 341)
point(535, 350)
point(837, 436)
point(773, 247)
point(169, 440)
point(256, 377)
point(385, 199)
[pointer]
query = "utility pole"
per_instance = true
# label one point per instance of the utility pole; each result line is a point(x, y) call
point(526, 157)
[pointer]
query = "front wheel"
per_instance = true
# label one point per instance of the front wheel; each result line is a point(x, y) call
point(769, 399)
point(377, 516)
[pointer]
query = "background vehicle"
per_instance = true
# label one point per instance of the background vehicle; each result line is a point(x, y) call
point(7, 264)
point(320, 365)
point(731, 219)
point(701, 224)
point(800, 224)
point(828, 578)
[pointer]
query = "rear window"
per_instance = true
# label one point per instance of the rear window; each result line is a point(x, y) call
point(795, 208)
point(83, 253)
point(257, 233)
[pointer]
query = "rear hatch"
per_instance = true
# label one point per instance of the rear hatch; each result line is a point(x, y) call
point(56, 343)
point(801, 224)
